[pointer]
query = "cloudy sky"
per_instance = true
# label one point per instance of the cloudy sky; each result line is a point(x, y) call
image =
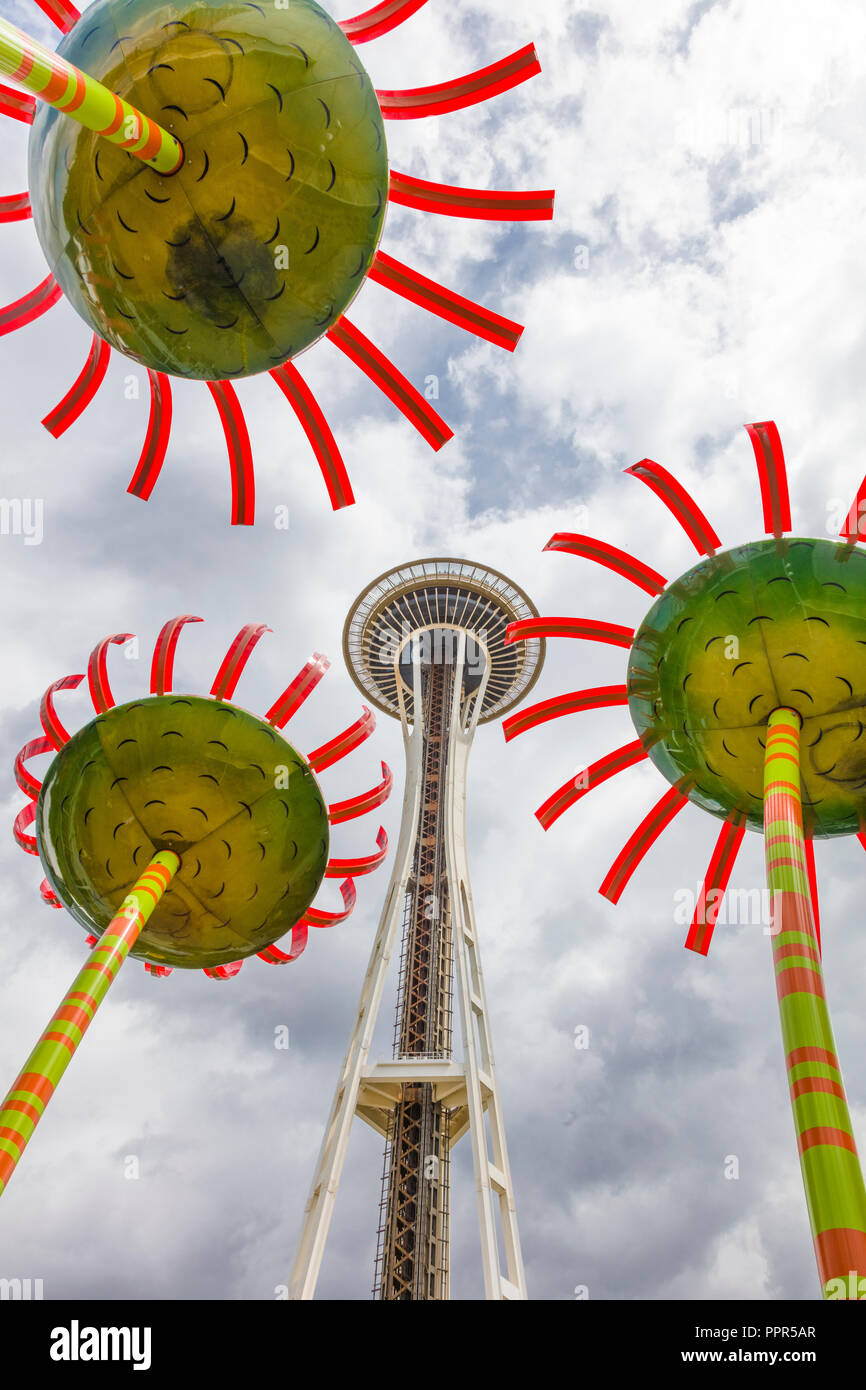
point(704, 269)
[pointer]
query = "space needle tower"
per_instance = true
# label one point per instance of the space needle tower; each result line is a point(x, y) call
point(426, 644)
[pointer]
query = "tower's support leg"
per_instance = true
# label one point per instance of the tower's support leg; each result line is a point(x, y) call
point(835, 1194)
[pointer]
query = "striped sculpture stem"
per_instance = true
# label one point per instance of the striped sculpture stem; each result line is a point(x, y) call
point(33, 1088)
point(835, 1194)
point(55, 81)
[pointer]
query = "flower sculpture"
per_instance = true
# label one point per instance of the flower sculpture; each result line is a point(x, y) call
point(746, 686)
point(235, 235)
point(180, 829)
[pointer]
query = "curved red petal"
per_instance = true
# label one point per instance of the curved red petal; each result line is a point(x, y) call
point(31, 306)
point(315, 917)
point(474, 318)
point(587, 628)
point(158, 971)
point(162, 666)
point(48, 895)
point(239, 450)
point(372, 24)
point(24, 818)
point(619, 561)
point(236, 659)
point(274, 956)
point(680, 503)
point(772, 476)
point(391, 382)
point(61, 13)
point(340, 811)
point(297, 691)
point(318, 432)
point(338, 747)
point(30, 785)
point(638, 845)
point(156, 440)
point(365, 864)
point(15, 207)
point(597, 697)
point(588, 779)
point(48, 715)
point(494, 205)
point(17, 105)
point(461, 91)
point(224, 972)
point(97, 671)
point(81, 393)
point(714, 885)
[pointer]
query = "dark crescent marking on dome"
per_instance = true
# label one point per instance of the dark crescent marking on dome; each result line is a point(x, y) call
point(250, 6)
point(226, 215)
point(320, 323)
point(175, 298)
point(715, 709)
point(156, 66)
point(259, 769)
point(272, 297)
point(247, 808)
point(218, 742)
point(220, 893)
point(178, 332)
point(200, 811)
point(117, 42)
point(119, 826)
point(206, 167)
point(314, 245)
point(209, 777)
point(130, 318)
point(271, 85)
point(261, 847)
point(728, 751)
point(122, 273)
point(683, 622)
point(81, 224)
point(294, 845)
point(708, 765)
point(96, 165)
point(88, 812)
point(228, 848)
point(220, 88)
point(179, 701)
point(163, 767)
point(285, 806)
point(136, 852)
point(233, 322)
point(760, 618)
point(356, 273)
point(686, 677)
point(859, 730)
point(178, 243)
point(816, 741)
point(378, 134)
point(306, 60)
point(378, 203)
point(176, 24)
point(197, 868)
point(739, 666)
point(333, 176)
point(754, 700)
point(799, 654)
point(726, 591)
point(253, 893)
point(236, 44)
point(169, 732)
point(846, 682)
point(179, 109)
point(153, 803)
point(763, 742)
point(292, 170)
point(780, 579)
point(153, 198)
point(707, 645)
point(127, 740)
point(108, 868)
point(832, 584)
point(326, 109)
point(246, 148)
point(798, 691)
point(817, 620)
point(89, 35)
point(117, 781)
point(134, 230)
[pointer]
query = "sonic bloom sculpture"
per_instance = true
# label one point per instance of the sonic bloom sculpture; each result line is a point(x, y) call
point(209, 183)
point(747, 689)
point(182, 830)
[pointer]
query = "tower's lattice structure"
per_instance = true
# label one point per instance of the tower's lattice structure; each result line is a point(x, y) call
point(426, 643)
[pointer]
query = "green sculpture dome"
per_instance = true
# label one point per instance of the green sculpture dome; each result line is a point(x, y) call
point(773, 623)
point(220, 787)
point(257, 246)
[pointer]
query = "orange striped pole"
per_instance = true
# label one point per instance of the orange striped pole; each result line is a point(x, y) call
point(835, 1194)
point(34, 1086)
point(62, 85)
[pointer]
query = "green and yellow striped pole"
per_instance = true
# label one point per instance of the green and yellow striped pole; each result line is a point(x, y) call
point(65, 87)
point(33, 1088)
point(835, 1194)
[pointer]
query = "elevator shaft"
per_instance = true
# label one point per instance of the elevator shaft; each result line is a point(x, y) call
point(414, 1234)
